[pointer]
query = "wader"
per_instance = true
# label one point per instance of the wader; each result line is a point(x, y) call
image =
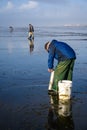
point(63, 71)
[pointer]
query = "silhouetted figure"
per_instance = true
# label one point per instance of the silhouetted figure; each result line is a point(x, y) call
point(31, 32)
point(11, 29)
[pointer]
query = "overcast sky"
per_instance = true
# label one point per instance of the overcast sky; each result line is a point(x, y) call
point(42, 12)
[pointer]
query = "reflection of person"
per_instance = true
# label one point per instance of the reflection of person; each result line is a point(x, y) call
point(65, 56)
point(31, 32)
point(31, 45)
point(60, 115)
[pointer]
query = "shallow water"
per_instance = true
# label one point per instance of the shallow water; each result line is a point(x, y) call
point(24, 101)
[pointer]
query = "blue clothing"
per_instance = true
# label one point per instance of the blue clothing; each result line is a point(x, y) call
point(59, 51)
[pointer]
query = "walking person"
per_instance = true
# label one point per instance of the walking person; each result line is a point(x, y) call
point(31, 32)
point(65, 56)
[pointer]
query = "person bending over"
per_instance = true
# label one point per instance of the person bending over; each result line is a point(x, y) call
point(65, 56)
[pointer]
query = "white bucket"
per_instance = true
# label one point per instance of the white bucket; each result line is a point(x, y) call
point(64, 87)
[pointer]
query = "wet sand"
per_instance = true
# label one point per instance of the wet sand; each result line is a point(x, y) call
point(24, 100)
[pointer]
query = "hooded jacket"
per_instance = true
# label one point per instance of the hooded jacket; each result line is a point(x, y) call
point(60, 51)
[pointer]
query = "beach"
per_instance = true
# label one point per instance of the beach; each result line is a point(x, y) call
point(24, 79)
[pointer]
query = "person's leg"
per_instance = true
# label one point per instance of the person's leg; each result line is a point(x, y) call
point(60, 73)
point(70, 71)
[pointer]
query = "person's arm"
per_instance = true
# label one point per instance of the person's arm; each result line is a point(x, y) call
point(51, 58)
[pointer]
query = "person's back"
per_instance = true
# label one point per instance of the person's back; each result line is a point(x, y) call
point(31, 28)
point(62, 51)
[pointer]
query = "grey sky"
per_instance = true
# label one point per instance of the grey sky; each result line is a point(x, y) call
point(40, 13)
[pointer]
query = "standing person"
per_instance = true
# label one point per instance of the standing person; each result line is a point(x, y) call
point(11, 29)
point(31, 32)
point(65, 56)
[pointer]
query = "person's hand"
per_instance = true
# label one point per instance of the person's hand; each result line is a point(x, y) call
point(50, 70)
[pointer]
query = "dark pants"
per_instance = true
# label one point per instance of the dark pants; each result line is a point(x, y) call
point(63, 71)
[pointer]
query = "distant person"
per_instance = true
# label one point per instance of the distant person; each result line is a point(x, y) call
point(65, 56)
point(31, 32)
point(11, 29)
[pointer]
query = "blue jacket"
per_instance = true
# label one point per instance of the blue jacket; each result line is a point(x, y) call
point(59, 51)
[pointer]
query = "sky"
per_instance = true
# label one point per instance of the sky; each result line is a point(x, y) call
point(43, 12)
